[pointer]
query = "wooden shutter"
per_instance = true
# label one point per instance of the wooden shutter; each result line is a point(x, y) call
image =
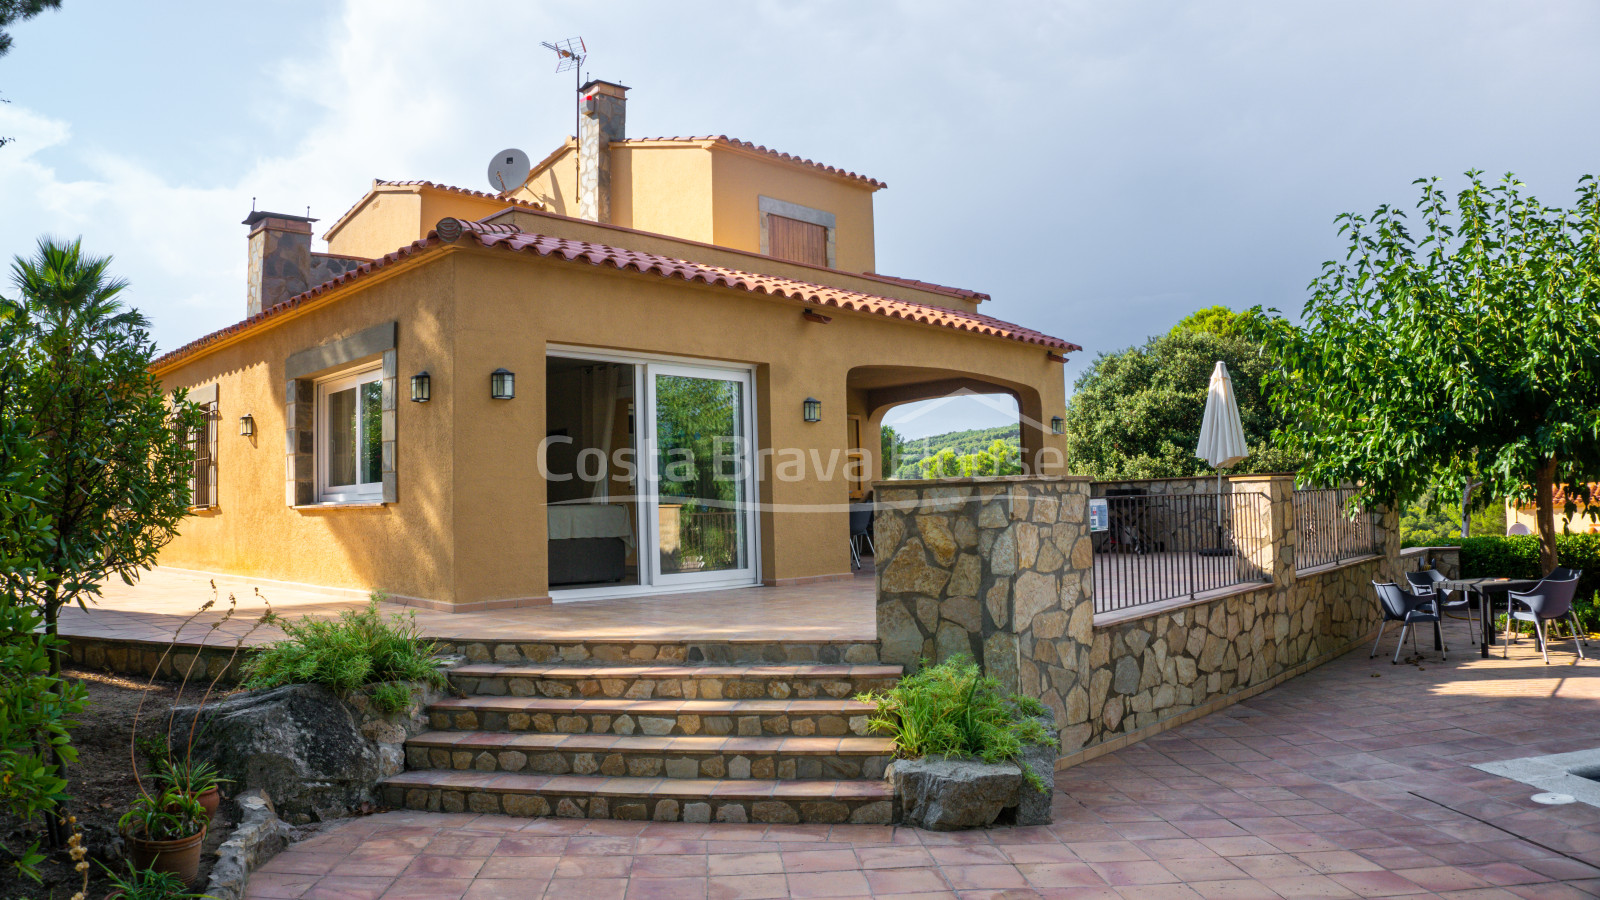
point(797, 241)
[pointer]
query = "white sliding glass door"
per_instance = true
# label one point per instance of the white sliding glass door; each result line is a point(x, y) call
point(694, 452)
point(700, 462)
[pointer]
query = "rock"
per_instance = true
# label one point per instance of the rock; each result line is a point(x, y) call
point(1033, 805)
point(298, 743)
point(950, 794)
point(1126, 680)
point(258, 837)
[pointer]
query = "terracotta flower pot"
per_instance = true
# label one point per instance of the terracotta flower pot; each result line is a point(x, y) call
point(180, 857)
point(209, 801)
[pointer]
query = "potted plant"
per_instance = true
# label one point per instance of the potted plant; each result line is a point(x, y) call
point(147, 884)
point(193, 778)
point(164, 832)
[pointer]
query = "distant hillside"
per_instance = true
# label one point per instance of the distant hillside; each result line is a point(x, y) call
point(910, 452)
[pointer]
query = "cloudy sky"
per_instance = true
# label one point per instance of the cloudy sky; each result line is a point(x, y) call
point(1101, 168)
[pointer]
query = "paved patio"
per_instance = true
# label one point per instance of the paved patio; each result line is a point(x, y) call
point(1351, 781)
point(164, 600)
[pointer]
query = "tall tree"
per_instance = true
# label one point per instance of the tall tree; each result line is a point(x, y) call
point(116, 457)
point(14, 11)
point(1137, 414)
point(1465, 347)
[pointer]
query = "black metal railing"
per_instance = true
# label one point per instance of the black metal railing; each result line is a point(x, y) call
point(1170, 546)
point(1328, 530)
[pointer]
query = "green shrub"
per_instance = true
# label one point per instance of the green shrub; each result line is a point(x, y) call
point(148, 884)
point(361, 650)
point(1517, 556)
point(953, 709)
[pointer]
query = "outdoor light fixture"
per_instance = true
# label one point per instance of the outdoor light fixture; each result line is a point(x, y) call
point(1058, 425)
point(502, 384)
point(421, 387)
point(812, 409)
point(247, 425)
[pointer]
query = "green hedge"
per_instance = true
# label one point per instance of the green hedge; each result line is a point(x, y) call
point(1517, 556)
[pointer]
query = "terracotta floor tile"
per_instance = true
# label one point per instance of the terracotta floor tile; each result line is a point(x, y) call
point(443, 867)
point(1308, 887)
point(666, 888)
point(346, 889)
point(828, 884)
point(820, 861)
point(906, 881)
point(764, 886)
point(530, 867)
point(1060, 875)
point(1234, 889)
point(586, 889)
point(669, 866)
point(428, 889)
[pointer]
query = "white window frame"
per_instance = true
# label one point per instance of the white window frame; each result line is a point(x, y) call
point(369, 492)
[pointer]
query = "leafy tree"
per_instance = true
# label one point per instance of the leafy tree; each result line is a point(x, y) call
point(889, 448)
point(14, 11)
point(36, 705)
point(963, 443)
point(114, 481)
point(1461, 345)
point(1220, 321)
point(1000, 458)
point(1137, 414)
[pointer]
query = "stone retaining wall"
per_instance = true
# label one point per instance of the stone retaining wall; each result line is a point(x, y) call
point(965, 565)
point(995, 568)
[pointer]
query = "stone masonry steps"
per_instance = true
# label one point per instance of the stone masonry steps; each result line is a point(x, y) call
point(744, 718)
point(645, 682)
point(644, 756)
point(699, 652)
point(658, 799)
point(740, 734)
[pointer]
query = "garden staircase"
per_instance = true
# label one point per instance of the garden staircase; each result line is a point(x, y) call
point(662, 739)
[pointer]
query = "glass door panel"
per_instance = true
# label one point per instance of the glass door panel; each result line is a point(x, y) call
point(700, 447)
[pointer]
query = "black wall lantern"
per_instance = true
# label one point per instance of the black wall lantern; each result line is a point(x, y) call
point(1058, 425)
point(247, 425)
point(421, 387)
point(502, 384)
point(812, 409)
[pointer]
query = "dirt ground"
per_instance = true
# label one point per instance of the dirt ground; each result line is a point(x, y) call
point(102, 784)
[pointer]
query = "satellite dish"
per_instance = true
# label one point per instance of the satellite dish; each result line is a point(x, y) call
point(508, 170)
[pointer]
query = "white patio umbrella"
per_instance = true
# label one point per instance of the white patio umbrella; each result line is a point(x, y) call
point(1221, 433)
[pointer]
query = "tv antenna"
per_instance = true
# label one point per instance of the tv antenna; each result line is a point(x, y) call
point(570, 54)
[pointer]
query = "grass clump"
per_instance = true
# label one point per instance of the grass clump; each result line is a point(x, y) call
point(953, 709)
point(361, 651)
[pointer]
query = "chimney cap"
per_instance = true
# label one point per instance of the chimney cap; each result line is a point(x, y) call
point(601, 81)
point(257, 215)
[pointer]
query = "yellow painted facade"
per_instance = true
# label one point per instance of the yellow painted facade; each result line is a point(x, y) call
point(467, 527)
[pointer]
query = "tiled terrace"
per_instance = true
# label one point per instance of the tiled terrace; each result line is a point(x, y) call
point(157, 607)
point(1352, 781)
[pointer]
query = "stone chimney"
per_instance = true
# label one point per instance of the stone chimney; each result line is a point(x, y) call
point(604, 106)
point(280, 259)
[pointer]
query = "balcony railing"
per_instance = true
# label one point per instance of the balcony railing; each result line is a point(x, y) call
point(1329, 531)
point(1174, 546)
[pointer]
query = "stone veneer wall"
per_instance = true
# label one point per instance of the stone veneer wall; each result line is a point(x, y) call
point(965, 566)
point(1116, 676)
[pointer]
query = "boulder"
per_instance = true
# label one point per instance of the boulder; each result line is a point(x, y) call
point(1033, 805)
point(949, 794)
point(299, 743)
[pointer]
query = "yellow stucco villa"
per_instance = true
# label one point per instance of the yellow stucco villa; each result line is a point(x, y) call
point(655, 365)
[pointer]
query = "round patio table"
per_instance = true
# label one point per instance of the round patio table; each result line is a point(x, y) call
point(1486, 588)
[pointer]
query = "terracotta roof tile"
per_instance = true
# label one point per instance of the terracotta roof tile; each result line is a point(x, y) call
point(432, 185)
point(507, 237)
point(963, 293)
point(776, 154)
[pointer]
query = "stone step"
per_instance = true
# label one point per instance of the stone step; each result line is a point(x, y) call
point(647, 681)
point(659, 799)
point(744, 718)
point(643, 756)
point(590, 650)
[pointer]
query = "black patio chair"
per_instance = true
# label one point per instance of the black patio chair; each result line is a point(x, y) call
point(1426, 584)
point(1408, 609)
point(1550, 599)
point(860, 528)
point(1562, 573)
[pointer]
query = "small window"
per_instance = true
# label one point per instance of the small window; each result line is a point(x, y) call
point(797, 241)
point(349, 437)
point(203, 471)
